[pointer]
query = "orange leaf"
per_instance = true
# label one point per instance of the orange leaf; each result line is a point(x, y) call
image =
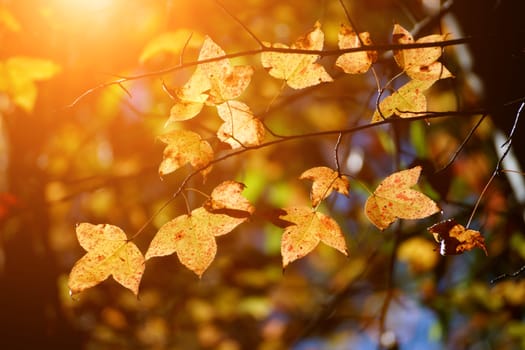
point(108, 253)
point(298, 70)
point(407, 102)
point(354, 62)
point(305, 229)
point(240, 128)
point(325, 180)
point(394, 199)
point(192, 236)
point(455, 238)
point(184, 147)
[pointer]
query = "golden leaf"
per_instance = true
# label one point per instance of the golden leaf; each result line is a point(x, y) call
point(240, 127)
point(420, 63)
point(298, 70)
point(354, 62)
point(228, 196)
point(325, 180)
point(394, 199)
point(212, 83)
point(304, 230)
point(407, 102)
point(192, 236)
point(184, 147)
point(108, 253)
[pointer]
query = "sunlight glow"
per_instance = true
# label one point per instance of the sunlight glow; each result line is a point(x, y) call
point(86, 5)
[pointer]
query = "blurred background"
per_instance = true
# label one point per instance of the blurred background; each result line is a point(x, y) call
point(96, 160)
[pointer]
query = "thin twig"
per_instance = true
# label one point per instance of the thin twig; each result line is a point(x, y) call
point(236, 19)
point(323, 53)
point(336, 154)
point(351, 130)
point(508, 145)
point(460, 148)
point(511, 275)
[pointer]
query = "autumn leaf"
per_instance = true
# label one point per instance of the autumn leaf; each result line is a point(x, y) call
point(298, 70)
point(109, 252)
point(18, 76)
point(304, 230)
point(419, 63)
point(190, 99)
point(240, 128)
point(192, 236)
point(354, 62)
point(325, 180)
point(227, 82)
point(185, 147)
point(407, 102)
point(455, 239)
point(227, 197)
point(212, 83)
point(394, 199)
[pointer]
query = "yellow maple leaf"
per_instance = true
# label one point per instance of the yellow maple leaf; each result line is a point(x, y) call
point(109, 252)
point(298, 70)
point(240, 127)
point(407, 102)
point(354, 62)
point(304, 230)
point(227, 196)
point(212, 83)
point(419, 63)
point(184, 147)
point(18, 76)
point(325, 180)
point(454, 238)
point(394, 199)
point(192, 236)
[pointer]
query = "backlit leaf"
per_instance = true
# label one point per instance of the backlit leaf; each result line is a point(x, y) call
point(18, 76)
point(190, 98)
point(108, 253)
point(298, 70)
point(354, 62)
point(185, 147)
point(304, 230)
point(240, 127)
point(325, 180)
point(394, 199)
point(212, 83)
point(227, 81)
point(192, 236)
point(432, 72)
point(407, 102)
point(424, 56)
point(420, 63)
point(228, 196)
point(454, 238)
